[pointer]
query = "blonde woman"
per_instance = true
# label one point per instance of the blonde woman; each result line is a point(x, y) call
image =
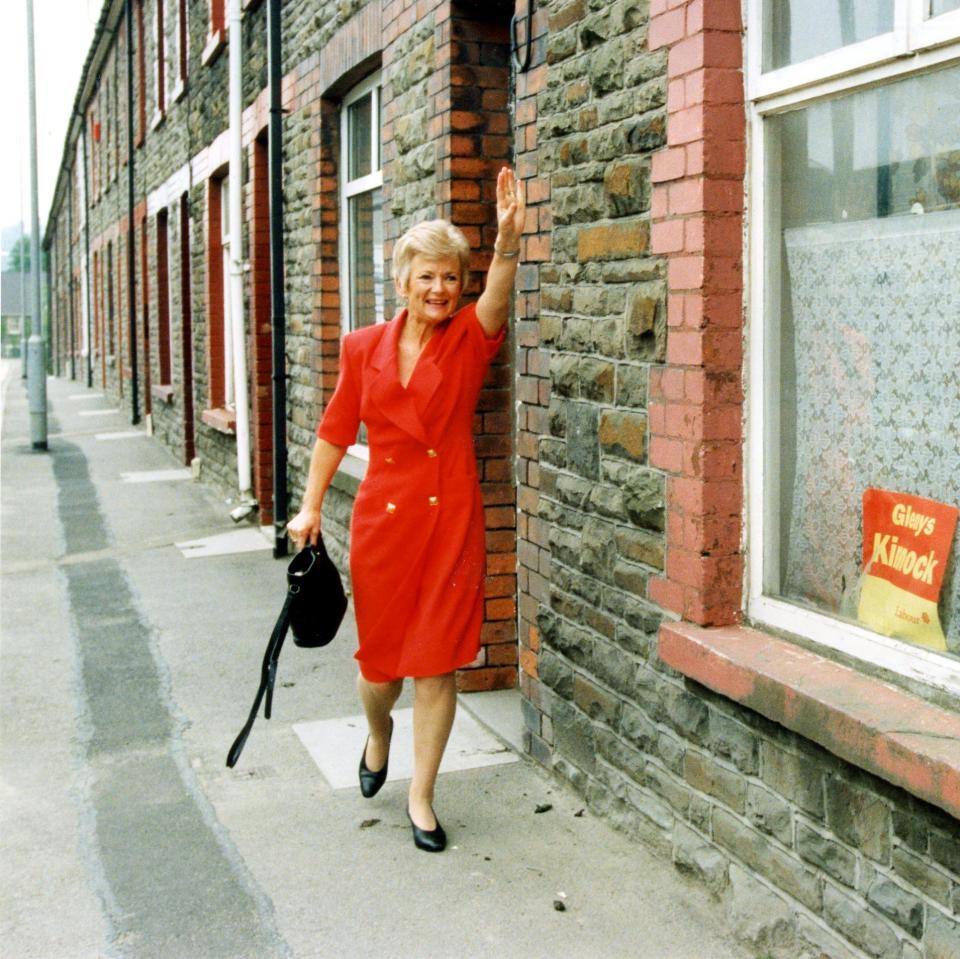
point(417, 552)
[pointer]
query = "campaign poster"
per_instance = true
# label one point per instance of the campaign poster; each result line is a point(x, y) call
point(906, 543)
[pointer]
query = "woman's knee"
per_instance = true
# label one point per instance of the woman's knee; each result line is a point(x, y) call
point(435, 687)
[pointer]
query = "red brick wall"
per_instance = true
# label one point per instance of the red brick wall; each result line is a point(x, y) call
point(696, 399)
point(533, 364)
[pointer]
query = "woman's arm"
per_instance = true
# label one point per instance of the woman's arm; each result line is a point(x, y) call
point(493, 307)
point(305, 526)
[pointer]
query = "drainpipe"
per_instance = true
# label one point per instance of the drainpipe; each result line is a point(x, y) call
point(69, 278)
point(241, 399)
point(131, 231)
point(277, 306)
point(85, 270)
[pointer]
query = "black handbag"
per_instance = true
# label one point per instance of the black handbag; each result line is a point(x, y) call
point(313, 610)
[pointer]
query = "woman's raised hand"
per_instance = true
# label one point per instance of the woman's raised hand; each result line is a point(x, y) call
point(511, 211)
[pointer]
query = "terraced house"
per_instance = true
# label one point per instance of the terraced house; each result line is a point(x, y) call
point(721, 427)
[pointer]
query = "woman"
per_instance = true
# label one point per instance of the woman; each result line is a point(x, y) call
point(417, 551)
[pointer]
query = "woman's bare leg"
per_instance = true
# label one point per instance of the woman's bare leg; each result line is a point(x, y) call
point(378, 699)
point(434, 706)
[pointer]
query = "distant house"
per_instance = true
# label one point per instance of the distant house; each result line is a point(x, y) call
point(15, 302)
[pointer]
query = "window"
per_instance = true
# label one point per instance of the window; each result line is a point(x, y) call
point(361, 207)
point(164, 350)
point(855, 344)
point(219, 346)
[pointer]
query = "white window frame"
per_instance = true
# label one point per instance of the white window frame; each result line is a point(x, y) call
point(915, 47)
point(911, 35)
point(351, 188)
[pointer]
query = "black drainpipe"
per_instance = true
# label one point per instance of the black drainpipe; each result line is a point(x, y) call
point(277, 316)
point(131, 230)
point(71, 312)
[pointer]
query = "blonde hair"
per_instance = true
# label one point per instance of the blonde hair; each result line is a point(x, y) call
point(432, 239)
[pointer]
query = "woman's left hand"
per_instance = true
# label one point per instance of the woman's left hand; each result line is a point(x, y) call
point(511, 210)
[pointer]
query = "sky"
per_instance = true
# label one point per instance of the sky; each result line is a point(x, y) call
point(63, 31)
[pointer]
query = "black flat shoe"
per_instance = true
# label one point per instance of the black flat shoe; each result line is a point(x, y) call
point(370, 782)
point(433, 840)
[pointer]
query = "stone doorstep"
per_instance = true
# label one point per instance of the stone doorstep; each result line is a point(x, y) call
point(866, 721)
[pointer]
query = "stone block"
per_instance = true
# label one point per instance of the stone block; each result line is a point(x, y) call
point(921, 874)
point(827, 854)
point(640, 546)
point(904, 908)
point(631, 578)
point(555, 674)
point(850, 916)
point(620, 755)
point(626, 185)
point(945, 849)
point(779, 867)
point(574, 736)
point(941, 938)
point(651, 807)
point(795, 777)
point(606, 68)
point(643, 492)
point(859, 817)
point(598, 703)
point(607, 501)
point(769, 813)
point(623, 433)
point(597, 381)
point(694, 856)
point(758, 916)
point(564, 375)
point(734, 741)
point(825, 944)
point(688, 714)
point(709, 777)
point(613, 241)
point(583, 450)
point(672, 751)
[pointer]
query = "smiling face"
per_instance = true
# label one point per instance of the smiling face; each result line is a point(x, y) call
point(432, 288)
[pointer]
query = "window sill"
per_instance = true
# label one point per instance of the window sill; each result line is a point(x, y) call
point(158, 118)
point(163, 392)
point(215, 43)
point(176, 94)
point(878, 727)
point(220, 419)
point(249, 5)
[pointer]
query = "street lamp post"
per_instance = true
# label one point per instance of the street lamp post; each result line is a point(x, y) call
point(36, 359)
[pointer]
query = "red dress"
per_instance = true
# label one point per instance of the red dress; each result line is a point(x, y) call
point(417, 538)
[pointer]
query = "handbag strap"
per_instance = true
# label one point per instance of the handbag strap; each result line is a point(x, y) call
point(268, 677)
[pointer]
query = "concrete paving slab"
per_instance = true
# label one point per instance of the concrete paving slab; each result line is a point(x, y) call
point(244, 540)
point(157, 476)
point(335, 745)
point(120, 435)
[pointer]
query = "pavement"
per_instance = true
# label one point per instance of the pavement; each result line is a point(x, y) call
point(127, 665)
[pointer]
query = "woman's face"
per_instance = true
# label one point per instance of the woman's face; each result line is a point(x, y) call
point(433, 288)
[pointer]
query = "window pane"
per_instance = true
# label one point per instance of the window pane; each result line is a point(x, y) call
point(366, 259)
point(943, 6)
point(863, 296)
point(358, 125)
point(796, 30)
